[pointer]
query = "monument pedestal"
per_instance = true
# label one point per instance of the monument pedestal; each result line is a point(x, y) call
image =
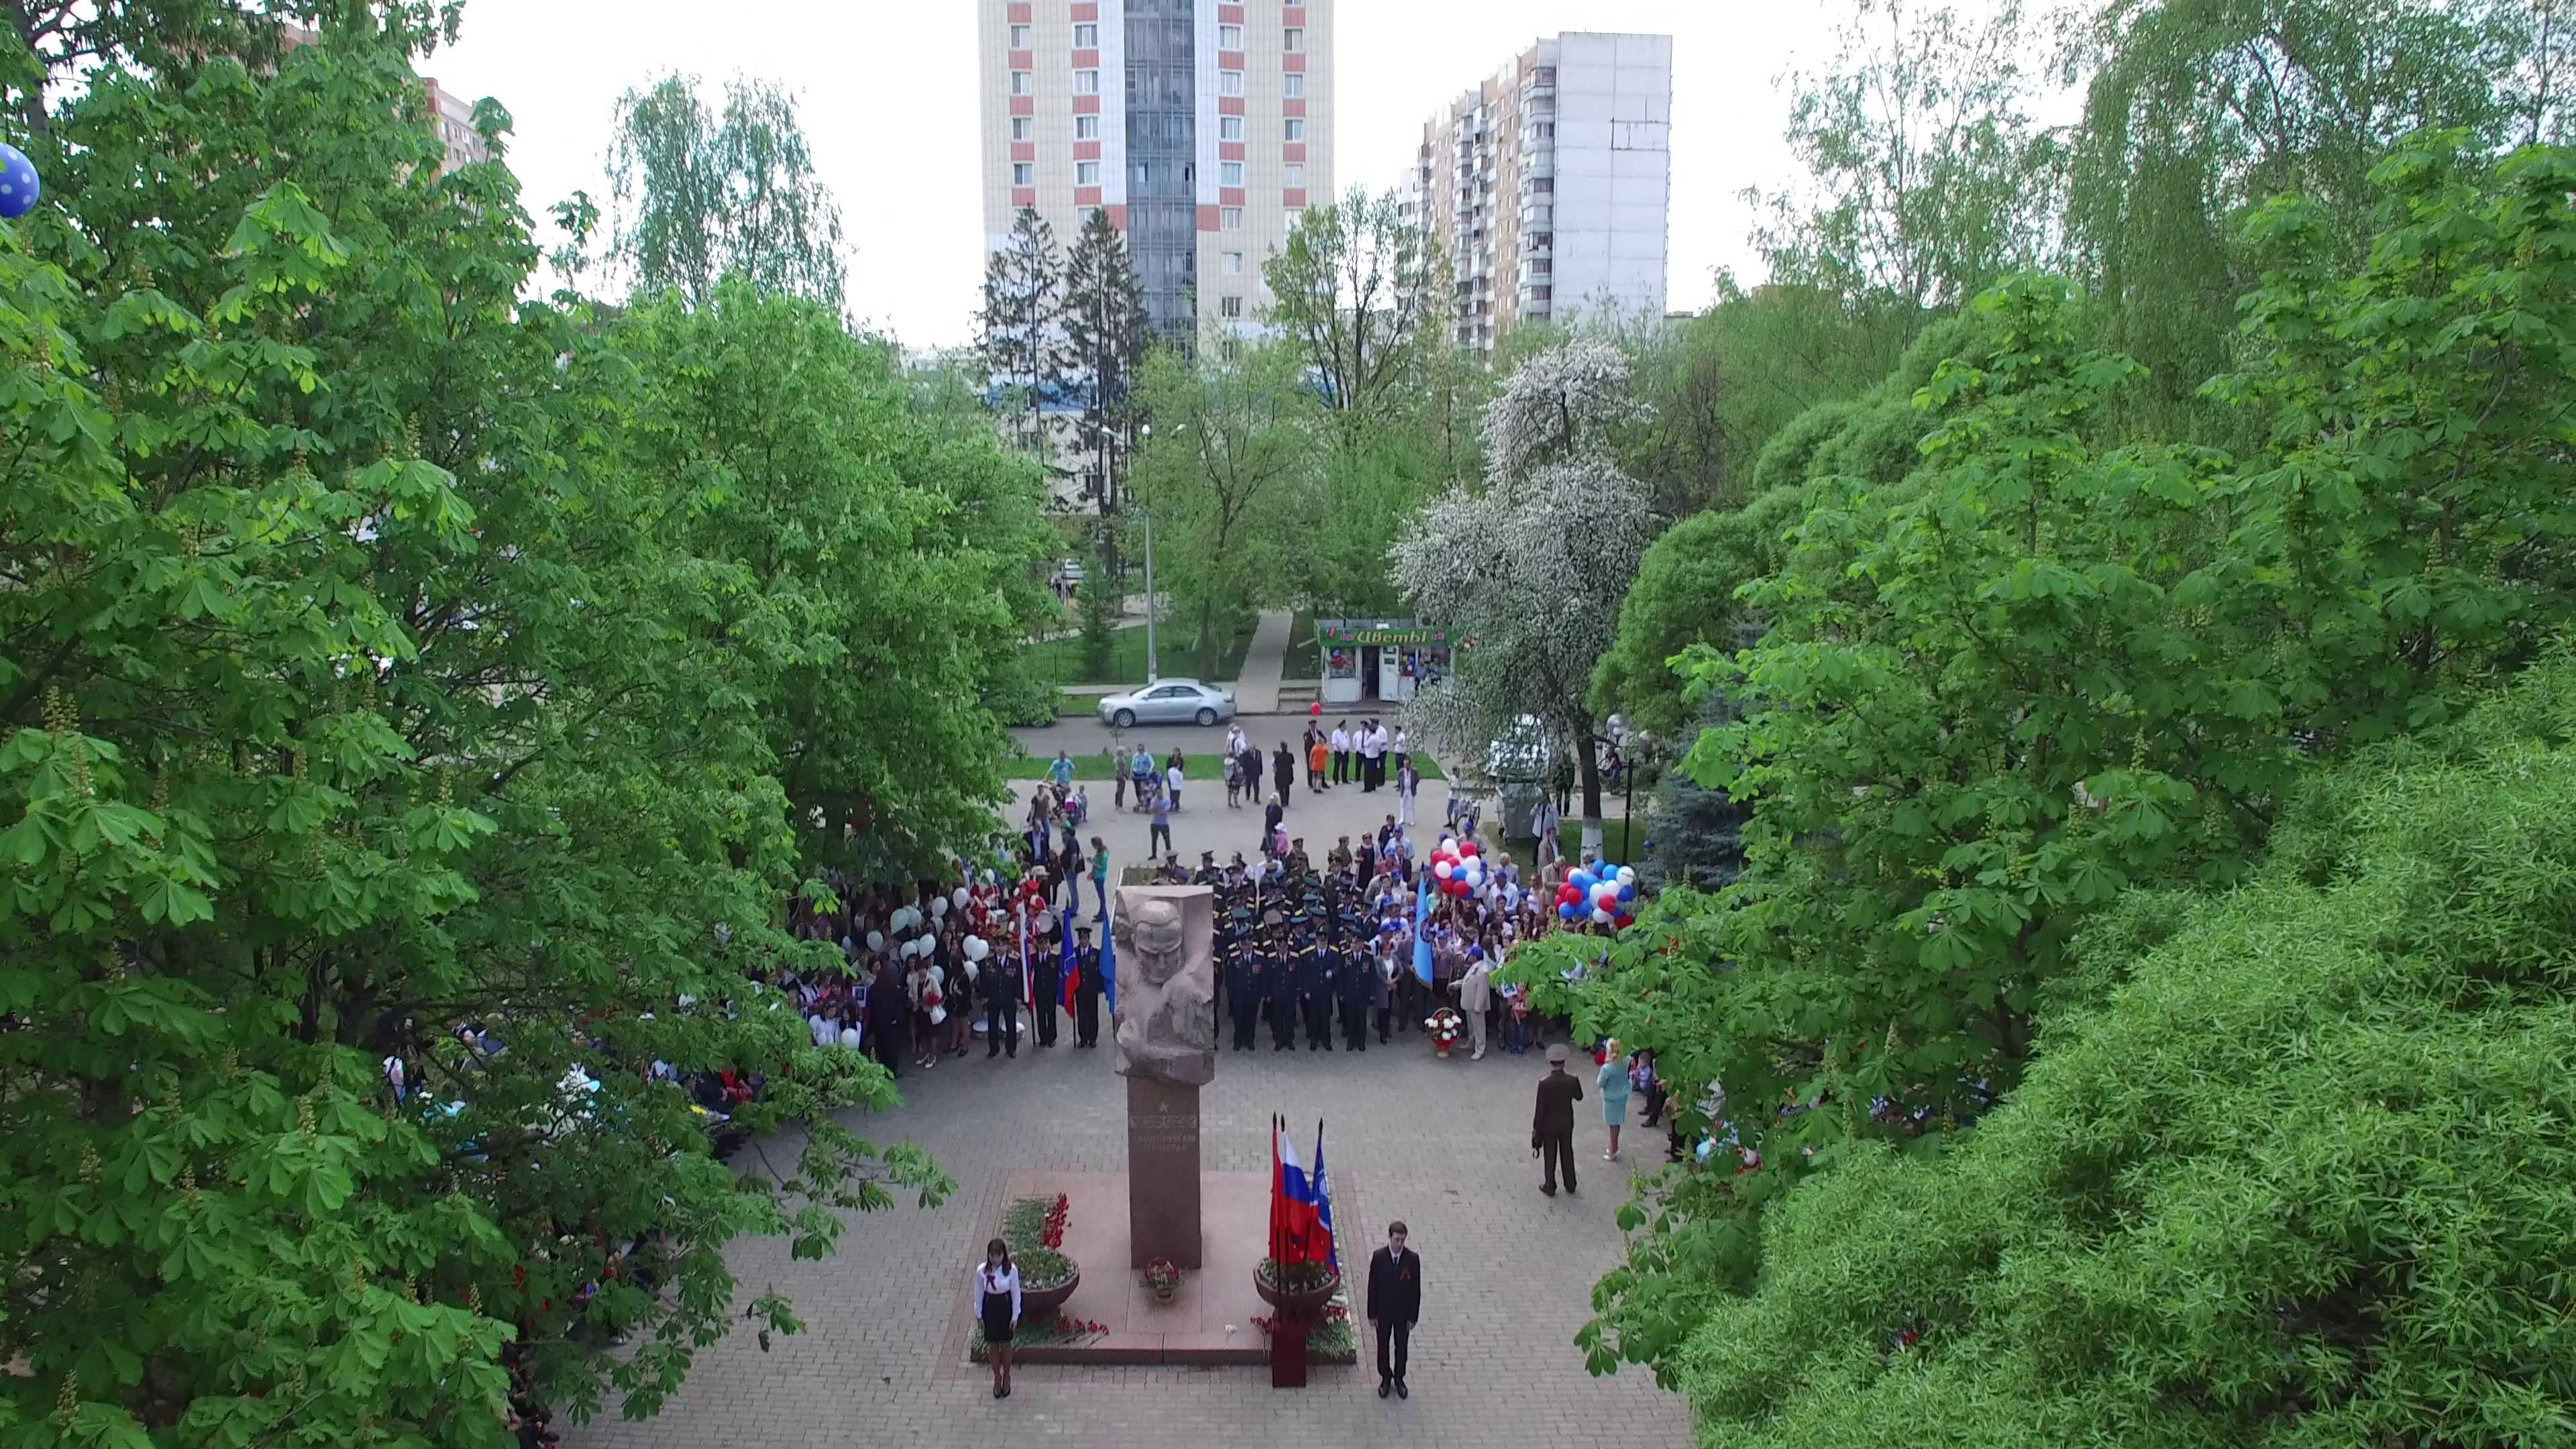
point(1163, 1174)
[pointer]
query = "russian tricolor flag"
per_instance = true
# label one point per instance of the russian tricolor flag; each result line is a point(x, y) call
point(1299, 1230)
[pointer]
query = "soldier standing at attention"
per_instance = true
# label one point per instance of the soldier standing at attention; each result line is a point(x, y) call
point(1086, 988)
point(1281, 998)
point(1314, 988)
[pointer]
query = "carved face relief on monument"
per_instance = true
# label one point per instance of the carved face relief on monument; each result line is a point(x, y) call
point(1166, 1015)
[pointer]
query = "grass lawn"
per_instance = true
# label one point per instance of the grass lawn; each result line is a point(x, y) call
point(1061, 659)
point(1305, 661)
point(1616, 843)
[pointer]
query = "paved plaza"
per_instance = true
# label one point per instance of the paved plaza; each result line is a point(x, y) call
point(1443, 1145)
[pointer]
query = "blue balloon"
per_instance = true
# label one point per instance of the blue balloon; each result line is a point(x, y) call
point(1565, 913)
point(1627, 893)
point(19, 187)
point(1581, 880)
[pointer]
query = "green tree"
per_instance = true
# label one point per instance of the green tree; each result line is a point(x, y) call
point(701, 195)
point(1233, 447)
point(1104, 350)
point(384, 651)
point(1359, 290)
point(1926, 177)
point(2294, 1178)
point(1020, 329)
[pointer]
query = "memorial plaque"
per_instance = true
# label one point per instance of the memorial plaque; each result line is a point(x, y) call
point(1166, 1041)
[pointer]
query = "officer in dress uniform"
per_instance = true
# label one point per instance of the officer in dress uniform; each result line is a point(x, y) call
point(1280, 997)
point(1314, 986)
point(1086, 988)
point(1241, 987)
point(1354, 984)
point(1046, 980)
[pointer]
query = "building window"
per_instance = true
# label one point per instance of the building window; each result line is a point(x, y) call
point(1233, 349)
point(1019, 37)
point(1229, 218)
point(1294, 83)
point(1234, 264)
point(1229, 37)
point(1229, 173)
point(1140, 175)
point(1229, 306)
point(1086, 128)
point(1292, 41)
point(1086, 37)
point(1296, 128)
point(1541, 266)
point(1229, 83)
point(1295, 174)
point(1086, 173)
point(1019, 83)
point(1086, 83)
point(1229, 128)
point(1024, 173)
point(1020, 128)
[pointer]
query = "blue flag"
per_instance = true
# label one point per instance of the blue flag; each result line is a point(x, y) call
point(1108, 963)
point(1324, 1201)
point(1421, 920)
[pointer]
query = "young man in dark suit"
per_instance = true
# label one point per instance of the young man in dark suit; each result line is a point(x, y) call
point(1394, 1305)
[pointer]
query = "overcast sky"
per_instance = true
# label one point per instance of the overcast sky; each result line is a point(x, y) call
point(887, 92)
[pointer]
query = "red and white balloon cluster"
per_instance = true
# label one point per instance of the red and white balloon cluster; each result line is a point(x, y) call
point(1457, 870)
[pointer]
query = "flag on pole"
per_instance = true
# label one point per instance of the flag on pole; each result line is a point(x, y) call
point(1324, 1203)
point(1068, 969)
point(1300, 1233)
point(1028, 958)
point(1421, 925)
point(1108, 963)
point(1278, 1249)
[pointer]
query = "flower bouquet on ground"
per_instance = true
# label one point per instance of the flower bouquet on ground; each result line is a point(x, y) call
point(1034, 1229)
point(1160, 1278)
point(1444, 1027)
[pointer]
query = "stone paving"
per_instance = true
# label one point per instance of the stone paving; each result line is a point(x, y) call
point(1443, 1145)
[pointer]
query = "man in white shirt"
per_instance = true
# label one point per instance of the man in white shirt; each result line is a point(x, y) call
point(1372, 756)
point(1340, 744)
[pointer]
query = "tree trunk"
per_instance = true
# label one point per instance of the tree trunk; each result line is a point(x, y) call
point(1587, 770)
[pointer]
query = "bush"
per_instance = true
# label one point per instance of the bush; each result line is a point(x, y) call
point(2299, 1177)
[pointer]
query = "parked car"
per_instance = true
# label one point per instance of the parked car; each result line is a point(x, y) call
point(1070, 571)
point(1168, 701)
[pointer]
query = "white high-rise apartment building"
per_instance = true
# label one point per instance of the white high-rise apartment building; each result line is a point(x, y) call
point(1549, 185)
point(1200, 127)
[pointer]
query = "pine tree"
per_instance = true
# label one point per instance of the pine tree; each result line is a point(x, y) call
point(1023, 317)
point(1104, 346)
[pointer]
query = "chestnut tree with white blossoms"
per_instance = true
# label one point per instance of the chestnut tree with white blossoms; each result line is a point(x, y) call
point(1532, 566)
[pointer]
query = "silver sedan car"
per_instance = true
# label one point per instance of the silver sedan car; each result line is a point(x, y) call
point(1168, 701)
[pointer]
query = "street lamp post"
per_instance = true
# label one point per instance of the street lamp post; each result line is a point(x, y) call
point(1153, 661)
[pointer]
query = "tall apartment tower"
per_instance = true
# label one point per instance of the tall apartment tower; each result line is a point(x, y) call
point(1548, 185)
point(1200, 127)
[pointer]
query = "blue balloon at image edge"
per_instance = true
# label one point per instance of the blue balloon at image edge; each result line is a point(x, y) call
point(19, 187)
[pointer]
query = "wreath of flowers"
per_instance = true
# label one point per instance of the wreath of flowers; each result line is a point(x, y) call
point(1161, 1275)
point(1034, 1229)
point(1445, 1026)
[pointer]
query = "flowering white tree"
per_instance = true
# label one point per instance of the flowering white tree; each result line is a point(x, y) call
point(1532, 569)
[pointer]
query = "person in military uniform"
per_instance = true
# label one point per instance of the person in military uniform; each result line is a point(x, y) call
point(1235, 967)
point(1280, 995)
point(1086, 988)
point(1353, 982)
point(1207, 874)
point(1314, 985)
point(1297, 864)
point(1046, 979)
point(1338, 859)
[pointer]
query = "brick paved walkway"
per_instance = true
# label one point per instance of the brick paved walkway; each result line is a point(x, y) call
point(1442, 1145)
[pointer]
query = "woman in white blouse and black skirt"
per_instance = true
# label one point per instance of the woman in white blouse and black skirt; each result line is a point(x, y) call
point(997, 1303)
